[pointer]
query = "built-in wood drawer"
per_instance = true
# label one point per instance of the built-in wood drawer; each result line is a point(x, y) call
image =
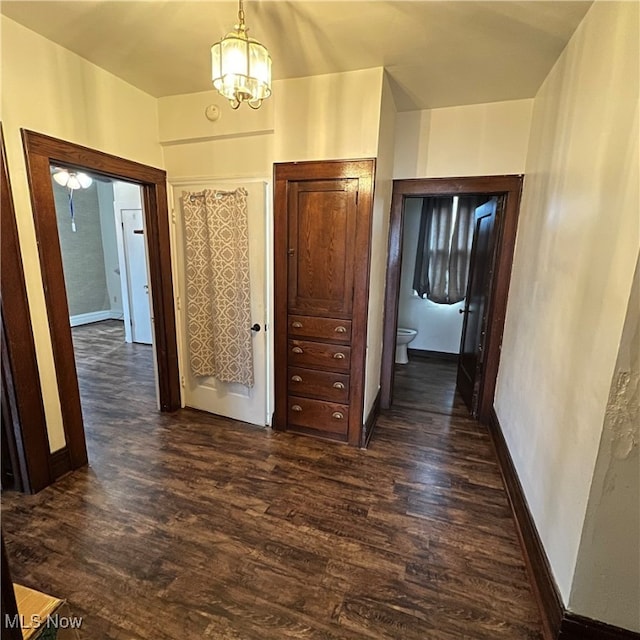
point(324, 385)
point(331, 357)
point(330, 417)
point(320, 328)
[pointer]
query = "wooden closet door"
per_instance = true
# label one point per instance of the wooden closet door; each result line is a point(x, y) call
point(322, 229)
point(322, 232)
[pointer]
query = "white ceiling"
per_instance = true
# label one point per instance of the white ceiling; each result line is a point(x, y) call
point(438, 53)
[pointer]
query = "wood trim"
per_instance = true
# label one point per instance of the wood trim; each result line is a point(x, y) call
point(20, 367)
point(60, 463)
point(438, 355)
point(542, 581)
point(370, 423)
point(40, 152)
point(511, 187)
point(575, 627)
point(558, 623)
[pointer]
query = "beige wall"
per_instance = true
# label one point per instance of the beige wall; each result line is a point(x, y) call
point(334, 116)
point(328, 117)
point(48, 89)
point(379, 244)
point(606, 584)
point(576, 250)
point(473, 140)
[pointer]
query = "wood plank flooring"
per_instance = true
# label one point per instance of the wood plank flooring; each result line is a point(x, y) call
point(193, 526)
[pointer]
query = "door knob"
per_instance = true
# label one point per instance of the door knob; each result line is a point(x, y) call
point(256, 327)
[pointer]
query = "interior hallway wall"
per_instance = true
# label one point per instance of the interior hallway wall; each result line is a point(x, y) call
point(471, 140)
point(576, 251)
point(383, 190)
point(606, 584)
point(49, 89)
point(335, 116)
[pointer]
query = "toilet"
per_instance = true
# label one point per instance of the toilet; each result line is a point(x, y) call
point(403, 338)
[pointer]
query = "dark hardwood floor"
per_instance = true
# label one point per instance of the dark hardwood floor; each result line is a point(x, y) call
point(190, 526)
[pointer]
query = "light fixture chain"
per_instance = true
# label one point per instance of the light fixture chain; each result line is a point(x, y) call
point(241, 12)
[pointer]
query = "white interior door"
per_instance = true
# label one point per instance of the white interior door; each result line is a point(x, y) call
point(206, 393)
point(135, 254)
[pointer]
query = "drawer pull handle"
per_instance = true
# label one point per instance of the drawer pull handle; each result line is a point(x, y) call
point(340, 329)
point(338, 385)
point(338, 356)
point(296, 379)
point(296, 325)
point(297, 350)
point(337, 415)
point(296, 407)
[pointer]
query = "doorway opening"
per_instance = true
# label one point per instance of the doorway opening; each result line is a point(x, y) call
point(474, 322)
point(42, 153)
point(104, 257)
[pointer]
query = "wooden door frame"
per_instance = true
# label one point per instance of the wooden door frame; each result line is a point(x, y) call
point(40, 152)
point(509, 186)
point(27, 430)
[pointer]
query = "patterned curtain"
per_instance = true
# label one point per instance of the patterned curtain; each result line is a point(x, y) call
point(218, 293)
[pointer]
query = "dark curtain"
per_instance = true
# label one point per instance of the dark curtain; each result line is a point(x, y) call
point(442, 257)
point(461, 242)
point(432, 256)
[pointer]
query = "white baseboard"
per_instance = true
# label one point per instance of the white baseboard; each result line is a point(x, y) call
point(95, 316)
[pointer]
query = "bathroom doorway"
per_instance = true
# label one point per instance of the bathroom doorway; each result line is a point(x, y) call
point(488, 281)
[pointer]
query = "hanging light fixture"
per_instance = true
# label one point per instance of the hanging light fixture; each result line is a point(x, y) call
point(241, 66)
point(72, 180)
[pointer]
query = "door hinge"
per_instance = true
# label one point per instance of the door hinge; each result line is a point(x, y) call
point(182, 382)
point(173, 216)
point(178, 303)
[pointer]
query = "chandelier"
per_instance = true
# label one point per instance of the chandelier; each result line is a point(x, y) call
point(241, 67)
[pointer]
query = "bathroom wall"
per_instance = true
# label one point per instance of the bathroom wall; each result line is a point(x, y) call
point(439, 325)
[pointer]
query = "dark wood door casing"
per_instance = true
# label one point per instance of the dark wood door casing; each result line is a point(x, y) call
point(21, 379)
point(41, 151)
point(322, 229)
point(509, 186)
